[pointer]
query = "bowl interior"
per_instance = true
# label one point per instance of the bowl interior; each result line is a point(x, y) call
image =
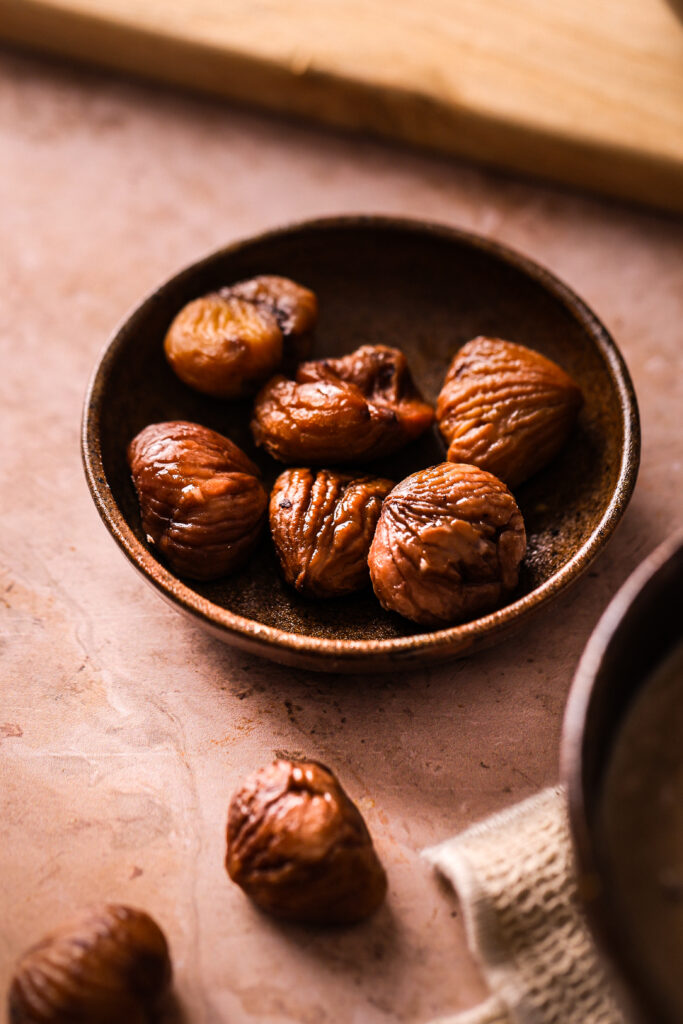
point(426, 291)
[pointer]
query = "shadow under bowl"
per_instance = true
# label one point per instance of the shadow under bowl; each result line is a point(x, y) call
point(425, 289)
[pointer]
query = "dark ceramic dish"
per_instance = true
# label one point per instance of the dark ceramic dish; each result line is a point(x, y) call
point(639, 629)
point(425, 289)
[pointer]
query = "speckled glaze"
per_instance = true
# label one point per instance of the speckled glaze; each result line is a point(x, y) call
point(426, 289)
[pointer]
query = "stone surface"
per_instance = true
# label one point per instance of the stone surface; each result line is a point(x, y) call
point(123, 729)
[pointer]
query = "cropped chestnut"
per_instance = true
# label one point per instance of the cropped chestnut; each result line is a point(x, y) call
point(110, 964)
point(352, 409)
point(201, 502)
point(448, 545)
point(299, 847)
point(506, 408)
point(322, 525)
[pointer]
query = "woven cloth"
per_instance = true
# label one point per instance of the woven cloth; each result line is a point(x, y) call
point(514, 874)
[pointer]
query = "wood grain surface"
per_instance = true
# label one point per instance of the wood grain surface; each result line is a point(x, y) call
point(588, 92)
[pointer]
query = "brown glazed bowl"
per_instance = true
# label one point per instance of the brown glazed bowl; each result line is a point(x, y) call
point(639, 628)
point(423, 288)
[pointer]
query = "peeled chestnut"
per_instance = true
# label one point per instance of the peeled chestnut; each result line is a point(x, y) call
point(294, 307)
point(506, 408)
point(224, 346)
point(448, 545)
point(353, 409)
point(228, 342)
point(201, 503)
point(299, 847)
point(322, 525)
point(108, 965)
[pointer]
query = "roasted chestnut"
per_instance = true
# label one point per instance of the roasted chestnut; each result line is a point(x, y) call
point(300, 849)
point(506, 408)
point(448, 545)
point(227, 343)
point(201, 503)
point(224, 346)
point(322, 525)
point(294, 307)
point(353, 409)
point(110, 964)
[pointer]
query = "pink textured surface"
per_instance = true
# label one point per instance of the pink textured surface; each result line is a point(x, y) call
point(123, 729)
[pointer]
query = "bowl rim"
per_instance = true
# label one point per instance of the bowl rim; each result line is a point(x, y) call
point(249, 632)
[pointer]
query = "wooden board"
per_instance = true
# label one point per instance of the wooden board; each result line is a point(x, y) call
point(588, 92)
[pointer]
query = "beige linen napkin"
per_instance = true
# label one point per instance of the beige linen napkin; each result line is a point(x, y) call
point(514, 874)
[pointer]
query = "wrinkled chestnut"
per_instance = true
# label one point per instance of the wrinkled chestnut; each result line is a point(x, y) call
point(322, 525)
point(448, 545)
point(506, 408)
point(201, 503)
point(108, 965)
point(228, 342)
point(353, 409)
point(299, 847)
point(294, 307)
point(224, 346)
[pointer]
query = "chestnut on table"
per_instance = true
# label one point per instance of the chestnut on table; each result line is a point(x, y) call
point(110, 964)
point(299, 847)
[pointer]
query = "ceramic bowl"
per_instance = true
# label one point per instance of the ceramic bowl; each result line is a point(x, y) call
point(638, 630)
point(426, 289)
